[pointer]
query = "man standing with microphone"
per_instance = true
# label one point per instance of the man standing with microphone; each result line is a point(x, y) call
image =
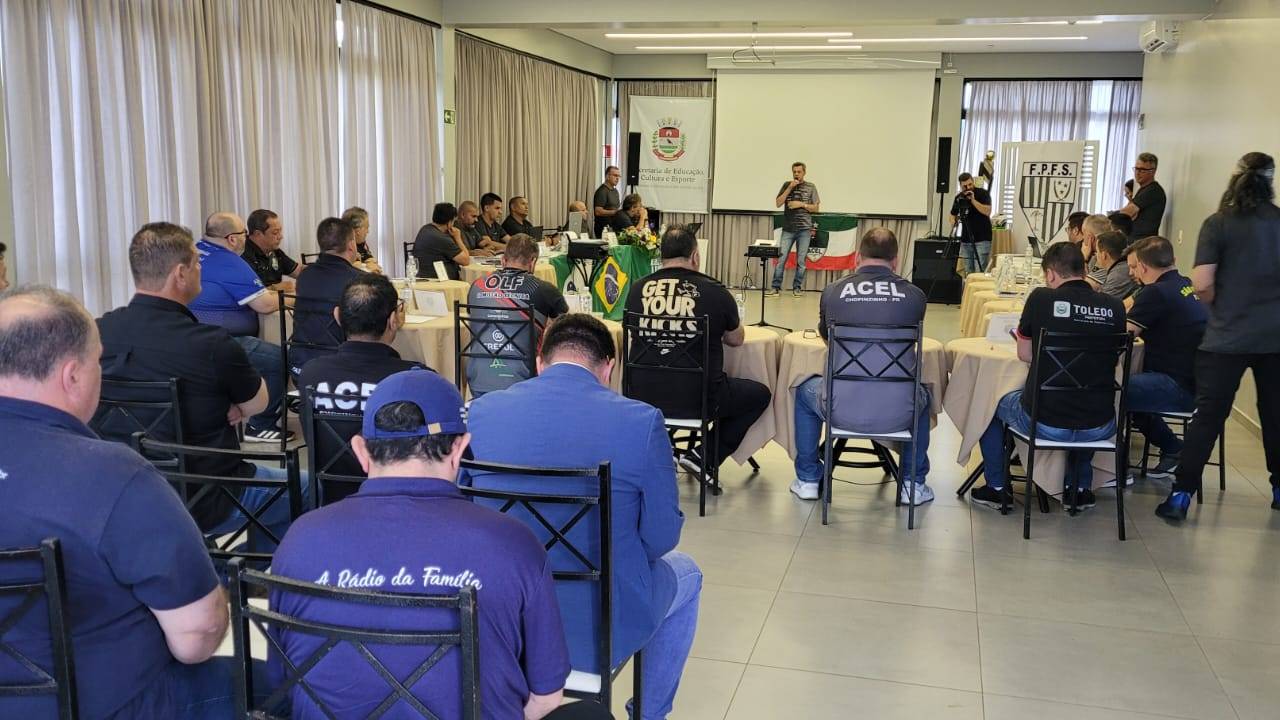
point(798, 200)
point(972, 210)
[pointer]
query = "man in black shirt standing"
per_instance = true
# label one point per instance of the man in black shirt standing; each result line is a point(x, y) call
point(155, 338)
point(369, 313)
point(1170, 319)
point(510, 291)
point(972, 211)
point(1146, 207)
point(263, 252)
point(678, 290)
point(1237, 272)
point(440, 241)
point(319, 290)
point(1067, 304)
point(606, 202)
point(517, 222)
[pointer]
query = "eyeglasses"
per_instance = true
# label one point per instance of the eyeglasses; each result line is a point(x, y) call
point(231, 235)
point(1143, 169)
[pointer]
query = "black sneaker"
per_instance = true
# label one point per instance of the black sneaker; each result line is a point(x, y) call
point(267, 435)
point(990, 497)
point(1084, 500)
point(1167, 466)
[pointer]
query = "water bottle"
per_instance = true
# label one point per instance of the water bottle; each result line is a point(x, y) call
point(740, 298)
point(411, 268)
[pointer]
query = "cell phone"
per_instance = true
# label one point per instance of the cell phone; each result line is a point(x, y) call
point(1013, 333)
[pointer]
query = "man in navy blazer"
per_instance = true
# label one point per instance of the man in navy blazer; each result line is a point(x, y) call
point(568, 416)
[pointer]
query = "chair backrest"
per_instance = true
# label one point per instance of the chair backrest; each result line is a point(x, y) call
point(1075, 368)
point(152, 408)
point(666, 357)
point(194, 488)
point(322, 332)
point(568, 509)
point(437, 645)
point(308, 258)
point(501, 346)
point(872, 375)
point(328, 430)
point(30, 577)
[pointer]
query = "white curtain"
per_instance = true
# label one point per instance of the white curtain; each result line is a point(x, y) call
point(1043, 110)
point(391, 152)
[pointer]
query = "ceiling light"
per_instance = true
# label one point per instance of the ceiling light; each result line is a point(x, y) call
point(712, 48)
point(1007, 38)
point(726, 35)
point(1054, 22)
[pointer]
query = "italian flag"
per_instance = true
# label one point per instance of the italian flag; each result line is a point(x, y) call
point(834, 245)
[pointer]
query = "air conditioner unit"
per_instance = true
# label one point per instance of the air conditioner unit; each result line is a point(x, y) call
point(1159, 36)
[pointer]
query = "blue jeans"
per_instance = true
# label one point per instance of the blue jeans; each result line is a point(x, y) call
point(809, 421)
point(668, 647)
point(276, 517)
point(1010, 412)
point(1157, 392)
point(203, 691)
point(267, 360)
point(975, 256)
point(799, 238)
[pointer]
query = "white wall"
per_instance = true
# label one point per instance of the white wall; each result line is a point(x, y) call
point(432, 10)
point(1205, 104)
point(653, 67)
point(550, 45)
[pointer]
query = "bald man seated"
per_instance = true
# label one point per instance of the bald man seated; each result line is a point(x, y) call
point(233, 297)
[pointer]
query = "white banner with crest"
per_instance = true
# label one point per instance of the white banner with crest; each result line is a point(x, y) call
point(675, 151)
point(1042, 183)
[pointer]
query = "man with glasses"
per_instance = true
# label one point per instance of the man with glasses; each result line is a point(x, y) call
point(232, 296)
point(1146, 207)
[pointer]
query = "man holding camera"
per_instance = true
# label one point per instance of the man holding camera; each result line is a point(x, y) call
point(972, 211)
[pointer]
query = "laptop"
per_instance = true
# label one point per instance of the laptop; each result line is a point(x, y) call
point(1034, 244)
point(576, 223)
point(538, 232)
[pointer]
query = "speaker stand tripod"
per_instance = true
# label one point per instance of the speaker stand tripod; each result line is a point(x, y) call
point(764, 252)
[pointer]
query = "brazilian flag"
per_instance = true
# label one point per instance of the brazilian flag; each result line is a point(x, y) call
point(611, 285)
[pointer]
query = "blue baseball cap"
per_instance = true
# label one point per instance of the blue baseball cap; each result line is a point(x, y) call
point(440, 402)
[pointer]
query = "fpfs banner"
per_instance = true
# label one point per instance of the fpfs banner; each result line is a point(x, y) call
point(675, 151)
point(1050, 180)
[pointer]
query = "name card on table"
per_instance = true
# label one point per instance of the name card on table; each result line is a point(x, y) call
point(430, 302)
point(1001, 324)
point(441, 272)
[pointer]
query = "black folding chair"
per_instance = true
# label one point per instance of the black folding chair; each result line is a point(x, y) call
point(314, 314)
point(308, 258)
point(529, 494)
point(1181, 419)
point(51, 586)
point(1057, 362)
point(861, 355)
point(152, 408)
point(493, 335)
point(195, 488)
point(335, 470)
point(365, 641)
point(680, 349)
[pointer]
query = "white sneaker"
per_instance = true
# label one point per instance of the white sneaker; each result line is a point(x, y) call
point(1128, 480)
point(804, 490)
point(924, 494)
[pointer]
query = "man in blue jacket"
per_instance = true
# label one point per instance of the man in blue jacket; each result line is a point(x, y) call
point(655, 590)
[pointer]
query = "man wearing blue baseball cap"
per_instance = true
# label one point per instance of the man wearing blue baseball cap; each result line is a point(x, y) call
point(408, 529)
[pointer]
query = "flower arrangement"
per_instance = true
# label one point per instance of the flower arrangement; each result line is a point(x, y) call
point(641, 238)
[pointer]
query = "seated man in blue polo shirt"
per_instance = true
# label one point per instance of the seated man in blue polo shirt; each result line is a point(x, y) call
point(1066, 304)
point(655, 589)
point(409, 529)
point(145, 609)
point(1170, 319)
point(232, 296)
point(319, 290)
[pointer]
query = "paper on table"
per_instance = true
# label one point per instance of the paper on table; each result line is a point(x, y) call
point(1001, 324)
point(441, 272)
point(417, 319)
point(430, 302)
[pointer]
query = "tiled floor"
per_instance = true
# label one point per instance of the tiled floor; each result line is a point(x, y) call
point(962, 618)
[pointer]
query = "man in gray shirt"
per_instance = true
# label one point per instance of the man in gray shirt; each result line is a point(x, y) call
point(798, 199)
point(874, 295)
point(1112, 274)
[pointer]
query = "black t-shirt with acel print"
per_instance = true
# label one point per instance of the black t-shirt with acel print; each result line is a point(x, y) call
point(682, 293)
point(1076, 308)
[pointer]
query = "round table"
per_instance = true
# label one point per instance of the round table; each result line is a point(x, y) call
point(454, 290)
point(804, 355)
point(990, 308)
point(971, 288)
point(983, 372)
point(543, 270)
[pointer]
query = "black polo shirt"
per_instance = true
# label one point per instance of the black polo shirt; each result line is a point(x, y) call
point(471, 235)
point(319, 290)
point(154, 339)
point(128, 545)
point(432, 245)
point(353, 371)
point(1172, 319)
point(1151, 201)
point(494, 232)
point(512, 226)
point(270, 267)
point(607, 198)
point(621, 221)
point(1077, 308)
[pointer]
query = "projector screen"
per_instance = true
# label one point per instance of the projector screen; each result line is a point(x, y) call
point(864, 135)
